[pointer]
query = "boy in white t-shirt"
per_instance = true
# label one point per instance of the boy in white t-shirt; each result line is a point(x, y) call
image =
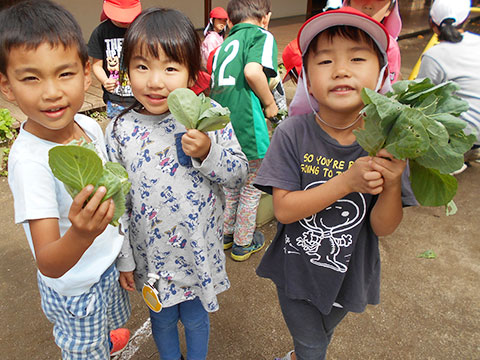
point(44, 68)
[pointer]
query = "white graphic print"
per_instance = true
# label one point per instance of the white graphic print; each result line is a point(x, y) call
point(329, 231)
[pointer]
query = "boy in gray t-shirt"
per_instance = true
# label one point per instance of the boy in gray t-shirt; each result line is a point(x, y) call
point(332, 201)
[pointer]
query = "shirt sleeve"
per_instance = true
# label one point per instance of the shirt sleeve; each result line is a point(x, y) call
point(263, 50)
point(430, 68)
point(95, 44)
point(34, 191)
point(280, 166)
point(225, 163)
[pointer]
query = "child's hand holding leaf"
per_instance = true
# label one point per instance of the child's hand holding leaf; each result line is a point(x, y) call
point(196, 144)
point(195, 112)
point(419, 121)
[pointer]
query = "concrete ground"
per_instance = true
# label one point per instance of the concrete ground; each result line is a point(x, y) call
point(430, 308)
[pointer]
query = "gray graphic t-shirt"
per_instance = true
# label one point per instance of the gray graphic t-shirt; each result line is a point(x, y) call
point(332, 256)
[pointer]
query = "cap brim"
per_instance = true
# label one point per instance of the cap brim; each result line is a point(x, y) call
point(343, 16)
point(122, 15)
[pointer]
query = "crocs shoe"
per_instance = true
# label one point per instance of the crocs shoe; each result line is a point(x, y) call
point(286, 357)
point(119, 339)
point(227, 241)
point(242, 253)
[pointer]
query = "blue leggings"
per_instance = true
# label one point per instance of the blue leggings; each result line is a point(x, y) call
point(196, 322)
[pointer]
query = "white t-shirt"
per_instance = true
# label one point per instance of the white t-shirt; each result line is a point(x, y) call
point(38, 194)
point(458, 62)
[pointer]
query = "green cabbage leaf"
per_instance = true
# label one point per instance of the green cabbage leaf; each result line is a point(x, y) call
point(197, 112)
point(419, 121)
point(78, 165)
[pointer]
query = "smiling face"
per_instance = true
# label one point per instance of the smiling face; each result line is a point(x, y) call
point(153, 78)
point(377, 9)
point(337, 70)
point(48, 84)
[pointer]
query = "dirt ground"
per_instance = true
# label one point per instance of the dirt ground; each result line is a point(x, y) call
point(430, 308)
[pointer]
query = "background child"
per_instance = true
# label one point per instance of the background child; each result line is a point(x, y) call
point(332, 201)
point(386, 12)
point(175, 211)
point(105, 48)
point(44, 68)
point(456, 59)
point(241, 68)
point(214, 33)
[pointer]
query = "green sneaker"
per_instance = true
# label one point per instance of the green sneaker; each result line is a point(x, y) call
point(227, 241)
point(242, 253)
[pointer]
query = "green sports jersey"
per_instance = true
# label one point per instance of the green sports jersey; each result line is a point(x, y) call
point(246, 43)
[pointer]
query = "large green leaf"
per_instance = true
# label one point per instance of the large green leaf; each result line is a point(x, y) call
point(430, 187)
point(408, 138)
point(75, 166)
point(78, 166)
point(419, 121)
point(185, 106)
point(214, 118)
point(371, 137)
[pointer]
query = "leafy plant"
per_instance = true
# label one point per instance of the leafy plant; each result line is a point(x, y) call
point(419, 121)
point(428, 254)
point(78, 165)
point(197, 112)
point(7, 135)
point(7, 132)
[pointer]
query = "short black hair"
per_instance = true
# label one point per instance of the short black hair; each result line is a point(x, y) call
point(31, 23)
point(241, 10)
point(346, 32)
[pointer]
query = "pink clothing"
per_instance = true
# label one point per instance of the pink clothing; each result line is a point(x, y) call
point(394, 59)
point(210, 43)
point(241, 208)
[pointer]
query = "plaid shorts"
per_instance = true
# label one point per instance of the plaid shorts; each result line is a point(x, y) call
point(82, 323)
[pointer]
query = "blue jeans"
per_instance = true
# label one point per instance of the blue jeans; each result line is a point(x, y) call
point(196, 321)
point(113, 110)
point(310, 329)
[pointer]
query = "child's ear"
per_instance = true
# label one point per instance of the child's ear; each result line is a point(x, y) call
point(88, 77)
point(5, 88)
point(266, 20)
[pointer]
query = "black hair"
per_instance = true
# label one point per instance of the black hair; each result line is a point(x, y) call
point(31, 23)
point(346, 32)
point(241, 10)
point(165, 29)
point(448, 32)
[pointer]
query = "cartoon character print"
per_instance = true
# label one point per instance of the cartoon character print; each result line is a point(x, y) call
point(113, 67)
point(174, 239)
point(150, 212)
point(328, 232)
point(167, 163)
point(197, 178)
point(145, 186)
point(196, 200)
point(169, 199)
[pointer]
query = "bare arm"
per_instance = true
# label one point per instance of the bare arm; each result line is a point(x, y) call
point(291, 206)
point(99, 72)
point(388, 211)
point(258, 81)
point(56, 255)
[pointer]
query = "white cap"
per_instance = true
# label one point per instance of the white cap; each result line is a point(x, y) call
point(457, 10)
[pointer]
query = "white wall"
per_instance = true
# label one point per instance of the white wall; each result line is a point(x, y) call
point(87, 12)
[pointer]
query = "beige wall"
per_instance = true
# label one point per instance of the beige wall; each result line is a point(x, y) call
point(87, 12)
